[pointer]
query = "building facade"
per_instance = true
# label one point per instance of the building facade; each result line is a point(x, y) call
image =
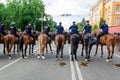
point(109, 10)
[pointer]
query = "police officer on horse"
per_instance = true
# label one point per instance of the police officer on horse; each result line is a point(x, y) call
point(73, 28)
point(13, 30)
point(46, 31)
point(104, 29)
point(87, 28)
point(2, 29)
point(59, 28)
point(28, 31)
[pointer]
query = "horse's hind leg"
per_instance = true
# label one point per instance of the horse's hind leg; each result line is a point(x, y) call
point(14, 50)
point(101, 51)
point(50, 47)
point(96, 50)
point(25, 51)
point(29, 49)
point(46, 49)
point(113, 46)
point(108, 48)
point(4, 48)
point(57, 52)
point(82, 50)
point(61, 53)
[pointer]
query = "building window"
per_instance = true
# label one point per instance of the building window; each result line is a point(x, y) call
point(118, 20)
point(117, 8)
point(108, 10)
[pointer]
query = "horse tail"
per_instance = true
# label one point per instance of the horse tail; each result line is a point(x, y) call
point(118, 43)
point(59, 42)
point(21, 43)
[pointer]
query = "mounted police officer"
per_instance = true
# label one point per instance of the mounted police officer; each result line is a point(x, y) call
point(46, 31)
point(59, 28)
point(13, 30)
point(104, 29)
point(73, 28)
point(28, 30)
point(2, 28)
point(87, 28)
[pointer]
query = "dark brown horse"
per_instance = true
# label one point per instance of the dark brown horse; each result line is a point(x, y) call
point(9, 41)
point(59, 42)
point(108, 40)
point(26, 40)
point(43, 40)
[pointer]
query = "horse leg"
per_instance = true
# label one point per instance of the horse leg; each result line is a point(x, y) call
point(32, 48)
point(108, 48)
point(82, 49)
point(25, 51)
point(50, 48)
point(90, 48)
point(75, 53)
point(46, 49)
point(62, 53)
point(57, 52)
point(86, 50)
point(4, 48)
point(113, 46)
point(14, 50)
point(29, 49)
point(72, 55)
point(43, 56)
point(9, 52)
point(101, 51)
point(96, 50)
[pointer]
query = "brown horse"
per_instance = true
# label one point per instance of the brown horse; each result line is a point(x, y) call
point(108, 40)
point(9, 41)
point(59, 42)
point(25, 40)
point(43, 40)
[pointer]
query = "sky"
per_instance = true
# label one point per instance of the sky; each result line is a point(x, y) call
point(77, 8)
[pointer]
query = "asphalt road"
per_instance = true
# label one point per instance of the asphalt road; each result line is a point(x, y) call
point(50, 69)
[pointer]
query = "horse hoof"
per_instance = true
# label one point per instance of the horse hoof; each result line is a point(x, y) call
point(38, 57)
point(101, 56)
point(61, 59)
point(86, 60)
point(10, 58)
point(51, 52)
point(107, 60)
point(43, 57)
point(26, 57)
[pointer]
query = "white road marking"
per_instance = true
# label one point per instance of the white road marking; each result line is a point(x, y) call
point(2, 68)
point(78, 71)
point(117, 55)
point(72, 67)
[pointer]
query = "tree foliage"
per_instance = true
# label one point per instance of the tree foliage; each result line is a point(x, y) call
point(81, 25)
point(101, 22)
point(24, 11)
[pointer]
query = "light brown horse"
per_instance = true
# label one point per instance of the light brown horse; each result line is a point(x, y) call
point(9, 41)
point(59, 42)
point(43, 40)
point(26, 40)
point(108, 40)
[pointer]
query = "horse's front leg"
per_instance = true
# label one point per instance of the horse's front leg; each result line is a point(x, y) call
point(108, 48)
point(90, 48)
point(14, 50)
point(72, 55)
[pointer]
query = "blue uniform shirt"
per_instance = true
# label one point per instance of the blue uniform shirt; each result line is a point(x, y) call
point(1, 29)
point(73, 28)
point(28, 29)
point(59, 29)
point(104, 28)
point(87, 28)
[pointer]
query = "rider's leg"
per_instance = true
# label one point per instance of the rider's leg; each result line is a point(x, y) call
point(99, 36)
point(33, 38)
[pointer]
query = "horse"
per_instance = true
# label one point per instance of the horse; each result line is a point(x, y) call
point(9, 41)
point(43, 40)
point(87, 42)
point(74, 41)
point(59, 42)
point(108, 40)
point(26, 40)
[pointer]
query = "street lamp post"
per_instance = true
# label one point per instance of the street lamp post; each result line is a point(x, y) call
point(42, 20)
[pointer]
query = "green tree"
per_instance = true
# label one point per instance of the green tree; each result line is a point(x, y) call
point(94, 27)
point(101, 21)
point(81, 25)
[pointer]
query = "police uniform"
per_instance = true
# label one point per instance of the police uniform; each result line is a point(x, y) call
point(87, 28)
point(2, 30)
point(74, 29)
point(104, 28)
point(13, 30)
point(59, 29)
point(28, 29)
